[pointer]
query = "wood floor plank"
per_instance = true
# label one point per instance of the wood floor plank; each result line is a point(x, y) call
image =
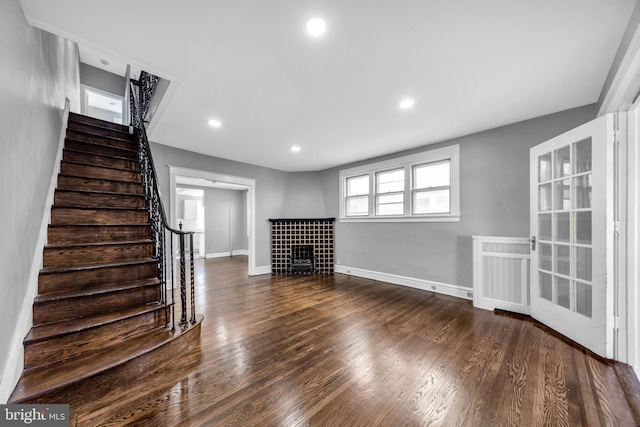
point(345, 351)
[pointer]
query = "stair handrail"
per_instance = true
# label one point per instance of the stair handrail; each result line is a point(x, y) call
point(141, 92)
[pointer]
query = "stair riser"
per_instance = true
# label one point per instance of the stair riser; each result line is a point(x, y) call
point(90, 184)
point(64, 198)
point(129, 144)
point(78, 118)
point(73, 308)
point(72, 345)
point(94, 278)
point(72, 169)
point(97, 234)
point(96, 255)
point(153, 362)
point(94, 130)
point(99, 160)
point(63, 216)
point(101, 149)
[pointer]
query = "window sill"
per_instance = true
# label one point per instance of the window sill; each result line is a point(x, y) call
point(438, 218)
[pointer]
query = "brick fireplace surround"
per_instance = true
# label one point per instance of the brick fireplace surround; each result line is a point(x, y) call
point(286, 232)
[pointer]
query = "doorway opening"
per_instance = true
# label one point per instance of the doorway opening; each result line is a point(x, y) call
point(102, 105)
point(191, 216)
point(229, 211)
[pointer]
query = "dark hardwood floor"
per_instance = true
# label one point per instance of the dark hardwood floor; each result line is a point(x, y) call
point(344, 351)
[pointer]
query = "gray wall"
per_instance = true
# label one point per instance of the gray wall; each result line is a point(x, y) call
point(101, 79)
point(494, 180)
point(270, 188)
point(218, 224)
point(303, 196)
point(37, 72)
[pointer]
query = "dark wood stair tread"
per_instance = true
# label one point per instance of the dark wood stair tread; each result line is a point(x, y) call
point(98, 130)
point(111, 156)
point(95, 244)
point(54, 270)
point(47, 331)
point(104, 289)
point(114, 180)
point(73, 162)
point(107, 208)
point(81, 118)
point(40, 381)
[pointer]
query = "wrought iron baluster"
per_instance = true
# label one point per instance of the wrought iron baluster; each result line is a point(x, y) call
point(193, 297)
point(141, 93)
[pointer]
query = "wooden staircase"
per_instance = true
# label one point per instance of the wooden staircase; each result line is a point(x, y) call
point(98, 304)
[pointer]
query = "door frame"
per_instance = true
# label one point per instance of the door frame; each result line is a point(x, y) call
point(621, 95)
point(248, 183)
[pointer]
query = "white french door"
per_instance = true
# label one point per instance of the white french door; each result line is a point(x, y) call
point(571, 189)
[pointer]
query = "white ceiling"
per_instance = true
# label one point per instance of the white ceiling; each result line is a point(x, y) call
point(470, 66)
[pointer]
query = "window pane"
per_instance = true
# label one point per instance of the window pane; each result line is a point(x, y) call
point(544, 226)
point(563, 292)
point(545, 283)
point(390, 181)
point(358, 206)
point(544, 197)
point(582, 227)
point(390, 204)
point(546, 256)
point(563, 195)
point(583, 299)
point(563, 260)
point(583, 263)
point(544, 168)
point(432, 175)
point(582, 188)
point(563, 227)
point(583, 156)
point(563, 162)
point(358, 185)
point(434, 201)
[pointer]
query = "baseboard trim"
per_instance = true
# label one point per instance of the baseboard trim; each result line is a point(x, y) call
point(226, 254)
point(265, 269)
point(218, 255)
point(426, 285)
point(14, 364)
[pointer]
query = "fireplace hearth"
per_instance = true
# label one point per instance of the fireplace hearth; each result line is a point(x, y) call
point(302, 246)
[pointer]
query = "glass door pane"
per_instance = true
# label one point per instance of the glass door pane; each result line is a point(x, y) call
point(564, 226)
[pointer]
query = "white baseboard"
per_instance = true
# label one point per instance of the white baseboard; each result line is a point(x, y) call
point(218, 255)
point(14, 363)
point(226, 254)
point(427, 285)
point(265, 269)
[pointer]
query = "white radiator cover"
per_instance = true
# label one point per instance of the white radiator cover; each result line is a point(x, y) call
point(501, 271)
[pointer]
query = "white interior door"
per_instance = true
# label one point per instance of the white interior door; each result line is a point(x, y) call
point(571, 191)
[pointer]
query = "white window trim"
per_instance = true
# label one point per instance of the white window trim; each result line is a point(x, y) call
point(451, 153)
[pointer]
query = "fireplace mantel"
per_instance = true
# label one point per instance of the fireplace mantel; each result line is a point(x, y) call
point(287, 232)
point(295, 220)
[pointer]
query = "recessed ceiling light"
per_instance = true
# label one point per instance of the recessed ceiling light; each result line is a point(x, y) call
point(215, 123)
point(295, 148)
point(406, 104)
point(316, 27)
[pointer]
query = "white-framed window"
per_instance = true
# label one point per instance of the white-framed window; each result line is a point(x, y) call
point(423, 187)
point(390, 192)
point(357, 195)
